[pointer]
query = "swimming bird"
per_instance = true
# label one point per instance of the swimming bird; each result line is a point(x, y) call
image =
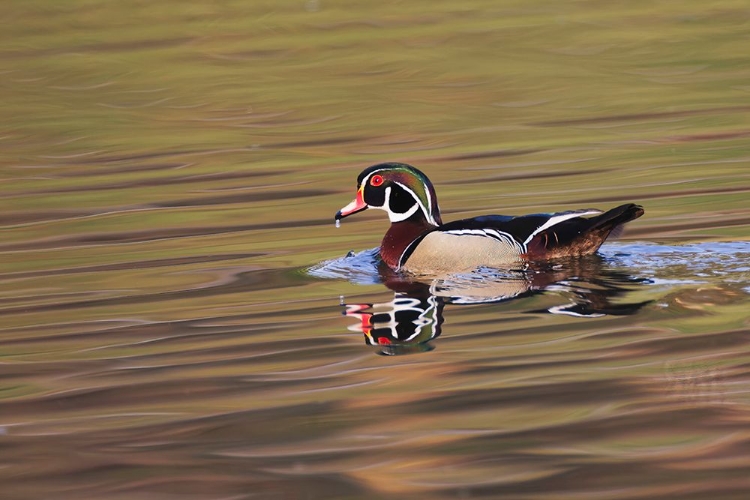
point(418, 242)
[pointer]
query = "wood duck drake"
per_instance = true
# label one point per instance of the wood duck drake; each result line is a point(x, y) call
point(419, 243)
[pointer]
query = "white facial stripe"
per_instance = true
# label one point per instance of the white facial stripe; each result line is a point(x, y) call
point(366, 181)
point(393, 216)
point(427, 212)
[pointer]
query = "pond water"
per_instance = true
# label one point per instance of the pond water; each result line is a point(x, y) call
point(181, 318)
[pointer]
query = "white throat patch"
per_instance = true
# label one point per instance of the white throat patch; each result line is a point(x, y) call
point(393, 216)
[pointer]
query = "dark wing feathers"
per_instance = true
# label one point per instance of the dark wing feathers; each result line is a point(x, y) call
point(521, 227)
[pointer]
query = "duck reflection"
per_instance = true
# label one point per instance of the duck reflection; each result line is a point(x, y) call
point(413, 319)
point(405, 324)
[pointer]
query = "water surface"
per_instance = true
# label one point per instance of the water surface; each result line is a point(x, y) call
point(171, 281)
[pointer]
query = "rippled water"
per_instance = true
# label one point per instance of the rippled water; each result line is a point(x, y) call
point(181, 318)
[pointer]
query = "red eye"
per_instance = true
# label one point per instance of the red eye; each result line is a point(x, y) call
point(376, 180)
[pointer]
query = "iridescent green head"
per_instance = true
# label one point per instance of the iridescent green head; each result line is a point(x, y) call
point(399, 189)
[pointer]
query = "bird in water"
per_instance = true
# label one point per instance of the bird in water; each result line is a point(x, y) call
point(418, 242)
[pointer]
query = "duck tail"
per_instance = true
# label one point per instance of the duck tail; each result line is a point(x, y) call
point(582, 236)
point(611, 223)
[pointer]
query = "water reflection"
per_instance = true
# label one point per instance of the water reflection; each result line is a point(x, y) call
point(413, 319)
point(406, 324)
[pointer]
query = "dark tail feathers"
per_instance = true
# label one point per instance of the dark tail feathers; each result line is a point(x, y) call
point(611, 223)
point(581, 236)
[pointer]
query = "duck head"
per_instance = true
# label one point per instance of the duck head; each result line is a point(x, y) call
point(404, 192)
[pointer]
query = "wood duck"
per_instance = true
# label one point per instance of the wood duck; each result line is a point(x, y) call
point(419, 243)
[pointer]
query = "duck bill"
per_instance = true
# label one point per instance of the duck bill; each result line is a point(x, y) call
point(357, 205)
